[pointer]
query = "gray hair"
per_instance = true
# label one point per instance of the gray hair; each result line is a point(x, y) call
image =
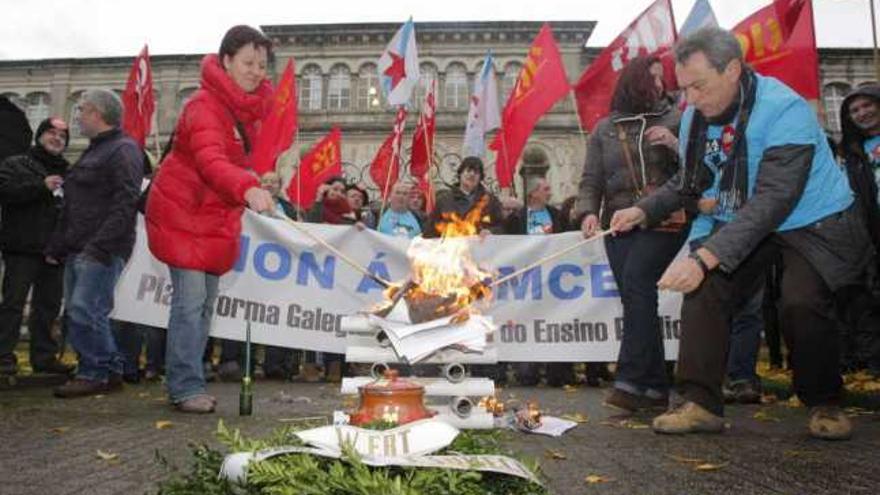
point(719, 46)
point(109, 105)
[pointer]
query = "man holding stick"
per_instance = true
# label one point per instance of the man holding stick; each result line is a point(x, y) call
point(756, 146)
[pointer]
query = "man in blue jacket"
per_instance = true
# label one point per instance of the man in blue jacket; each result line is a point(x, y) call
point(94, 237)
point(755, 154)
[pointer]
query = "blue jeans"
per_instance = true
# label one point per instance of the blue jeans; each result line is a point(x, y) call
point(638, 259)
point(192, 307)
point(745, 340)
point(88, 292)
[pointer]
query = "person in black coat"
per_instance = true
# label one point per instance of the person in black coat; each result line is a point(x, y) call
point(462, 199)
point(15, 131)
point(29, 193)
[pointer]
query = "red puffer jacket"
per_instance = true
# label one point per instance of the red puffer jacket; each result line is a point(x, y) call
point(197, 198)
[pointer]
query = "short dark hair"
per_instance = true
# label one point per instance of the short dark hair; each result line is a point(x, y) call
point(361, 190)
point(635, 91)
point(719, 46)
point(240, 36)
point(472, 162)
point(334, 180)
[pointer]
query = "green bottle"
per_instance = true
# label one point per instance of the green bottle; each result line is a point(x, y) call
point(246, 396)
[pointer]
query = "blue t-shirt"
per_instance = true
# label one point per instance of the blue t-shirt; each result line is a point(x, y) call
point(872, 149)
point(539, 222)
point(399, 224)
point(780, 117)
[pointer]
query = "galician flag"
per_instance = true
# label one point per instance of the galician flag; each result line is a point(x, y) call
point(399, 65)
point(484, 114)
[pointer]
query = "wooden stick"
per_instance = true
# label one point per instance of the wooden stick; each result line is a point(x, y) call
point(395, 154)
point(352, 263)
point(549, 257)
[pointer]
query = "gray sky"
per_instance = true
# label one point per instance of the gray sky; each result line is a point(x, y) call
point(35, 29)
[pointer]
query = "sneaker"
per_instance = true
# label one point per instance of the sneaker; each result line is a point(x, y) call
point(229, 371)
point(829, 423)
point(199, 404)
point(746, 392)
point(82, 387)
point(54, 368)
point(688, 418)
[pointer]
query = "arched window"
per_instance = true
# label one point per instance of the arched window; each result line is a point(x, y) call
point(339, 88)
point(427, 75)
point(832, 97)
point(72, 113)
point(455, 89)
point(310, 88)
point(511, 72)
point(38, 107)
point(368, 95)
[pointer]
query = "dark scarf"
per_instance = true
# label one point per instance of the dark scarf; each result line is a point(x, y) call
point(54, 164)
point(734, 186)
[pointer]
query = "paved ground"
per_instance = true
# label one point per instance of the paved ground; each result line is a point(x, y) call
point(49, 446)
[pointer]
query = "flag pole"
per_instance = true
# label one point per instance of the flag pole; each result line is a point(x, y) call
point(507, 161)
point(394, 155)
point(299, 193)
point(156, 141)
point(874, 36)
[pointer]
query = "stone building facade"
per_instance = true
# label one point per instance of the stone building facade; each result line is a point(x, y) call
point(337, 84)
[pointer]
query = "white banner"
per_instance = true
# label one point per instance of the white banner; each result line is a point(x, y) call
point(295, 292)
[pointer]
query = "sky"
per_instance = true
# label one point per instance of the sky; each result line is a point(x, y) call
point(98, 28)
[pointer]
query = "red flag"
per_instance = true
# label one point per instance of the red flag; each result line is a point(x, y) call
point(540, 84)
point(780, 41)
point(424, 184)
point(279, 125)
point(652, 32)
point(423, 139)
point(386, 164)
point(322, 162)
point(138, 101)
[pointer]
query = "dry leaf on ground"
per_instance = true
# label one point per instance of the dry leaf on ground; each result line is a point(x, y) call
point(107, 456)
point(595, 478)
point(710, 467)
point(793, 401)
point(60, 429)
point(769, 399)
point(686, 460)
point(569, 388)
point(163, 425)
point(765, 416)
point(800, 453)
point(556, 455)
point(576, 417)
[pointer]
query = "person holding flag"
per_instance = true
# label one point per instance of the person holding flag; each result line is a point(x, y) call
point(756, 147)
point(198, 196)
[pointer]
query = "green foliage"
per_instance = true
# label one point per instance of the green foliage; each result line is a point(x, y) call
point(301, 474)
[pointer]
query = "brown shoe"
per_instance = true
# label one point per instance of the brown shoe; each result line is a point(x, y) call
point(199, 404)
point(625, 401)
point(81, 387)
point(688, 418)
point(829, 423)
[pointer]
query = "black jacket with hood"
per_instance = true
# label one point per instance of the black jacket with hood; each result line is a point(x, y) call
point(858, 165)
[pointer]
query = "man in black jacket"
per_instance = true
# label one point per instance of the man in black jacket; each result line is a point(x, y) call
point(29, 184)
point(860, 151)
point(94, 237)
point(15, 132)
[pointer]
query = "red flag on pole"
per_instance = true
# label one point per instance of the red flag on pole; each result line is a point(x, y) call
point(386, 164)
point(137, 100)
point(278, 128)
point(652, 32)
point(423, 138)
point(322, 162)
point(780, 41)
point(540, 84)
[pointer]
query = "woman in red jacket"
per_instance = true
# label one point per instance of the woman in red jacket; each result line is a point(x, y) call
point(198, 196)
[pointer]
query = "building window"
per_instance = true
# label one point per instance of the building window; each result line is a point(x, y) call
point(310, 89)
point(339, 88)
point(833, 95)
point(427, 76)
point(368, 95)
point(455, 90)
point(511, 72)
point(38, 107)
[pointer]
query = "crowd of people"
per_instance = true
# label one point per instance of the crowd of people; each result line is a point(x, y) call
point(780, 224)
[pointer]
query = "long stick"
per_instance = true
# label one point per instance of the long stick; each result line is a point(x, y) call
point(577, 116)
point(354, 264)
point(549, 257)
point(395, 155)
